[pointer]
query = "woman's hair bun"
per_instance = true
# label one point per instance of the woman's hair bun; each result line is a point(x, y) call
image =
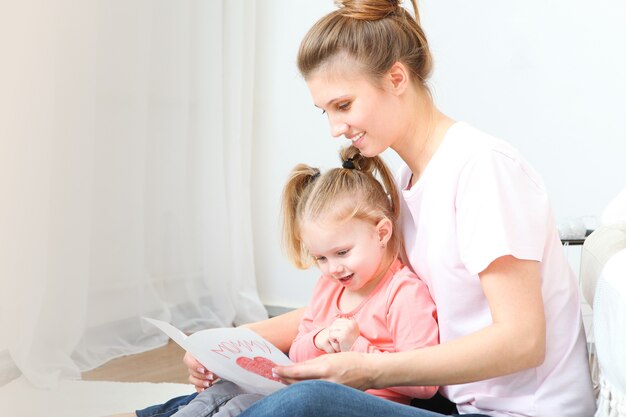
point(367, 9)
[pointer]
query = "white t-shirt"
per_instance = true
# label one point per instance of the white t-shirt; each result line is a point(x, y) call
point(476, 201)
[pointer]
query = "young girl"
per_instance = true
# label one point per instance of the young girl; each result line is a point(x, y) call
point(478, 229)
point(366, 301)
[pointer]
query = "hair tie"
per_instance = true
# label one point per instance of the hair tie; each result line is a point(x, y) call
point(348, 164)
point(314, 176)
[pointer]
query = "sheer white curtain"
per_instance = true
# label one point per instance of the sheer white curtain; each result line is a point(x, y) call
point(125, 175)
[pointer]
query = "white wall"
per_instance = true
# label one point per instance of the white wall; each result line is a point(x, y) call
point(548, 76)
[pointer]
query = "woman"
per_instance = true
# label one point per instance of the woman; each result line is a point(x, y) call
point(478, 230)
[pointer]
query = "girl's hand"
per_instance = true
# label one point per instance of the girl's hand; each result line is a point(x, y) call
point(349, 368)
point(199, 376)
point(322, 342)
point(342, 334)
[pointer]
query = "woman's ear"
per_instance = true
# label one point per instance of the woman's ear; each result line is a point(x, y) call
point(399, 78)
point(384, 229)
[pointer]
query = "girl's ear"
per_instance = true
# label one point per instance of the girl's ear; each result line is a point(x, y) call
point(384, 229)
point(398, 77)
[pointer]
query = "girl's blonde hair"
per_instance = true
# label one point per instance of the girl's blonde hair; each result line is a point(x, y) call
point(375, 33)
point(340, 194)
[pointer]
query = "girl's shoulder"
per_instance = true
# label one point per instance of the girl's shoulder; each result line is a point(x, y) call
point(406, 288)
point(403, 277)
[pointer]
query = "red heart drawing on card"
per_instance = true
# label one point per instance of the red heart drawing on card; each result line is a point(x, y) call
point(259, 365)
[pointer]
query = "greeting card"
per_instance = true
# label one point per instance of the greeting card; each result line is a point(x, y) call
point(236, 354)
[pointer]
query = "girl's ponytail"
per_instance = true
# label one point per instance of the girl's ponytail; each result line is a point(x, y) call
point(295, 193)
point(376, 167)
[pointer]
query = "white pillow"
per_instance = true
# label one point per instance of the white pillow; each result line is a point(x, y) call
point(598, 248)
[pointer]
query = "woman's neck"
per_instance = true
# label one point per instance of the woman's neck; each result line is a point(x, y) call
point(427, 127)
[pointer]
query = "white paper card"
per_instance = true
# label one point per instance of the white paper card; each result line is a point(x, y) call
point(237, 354)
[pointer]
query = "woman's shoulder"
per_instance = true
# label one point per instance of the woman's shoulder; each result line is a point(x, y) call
point(465, 148)
point(465, 138)
point(478, 149)
point(462, 144)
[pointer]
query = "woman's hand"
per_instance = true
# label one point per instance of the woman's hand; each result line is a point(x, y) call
point(353, 369)
point(199, 376)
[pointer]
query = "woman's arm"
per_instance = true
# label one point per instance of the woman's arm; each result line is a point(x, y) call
point(513, 342)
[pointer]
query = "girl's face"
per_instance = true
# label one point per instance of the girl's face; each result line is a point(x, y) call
point(350, 252)
point(366, 114)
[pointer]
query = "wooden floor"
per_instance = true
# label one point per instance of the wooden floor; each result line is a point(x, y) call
point(163, 364)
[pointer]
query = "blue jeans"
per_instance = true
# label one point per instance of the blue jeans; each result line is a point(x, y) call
point(223, 399)
point(166, 409)
point(326, 399)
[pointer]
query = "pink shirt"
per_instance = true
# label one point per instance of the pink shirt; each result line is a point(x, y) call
point(476, 201)
point(397, 315)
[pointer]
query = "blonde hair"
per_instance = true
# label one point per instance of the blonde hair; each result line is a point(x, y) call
point(340, 194)
point(375, 33)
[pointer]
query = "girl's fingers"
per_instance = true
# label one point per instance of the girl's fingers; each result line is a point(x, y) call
point(197, 383)
point(195, 374)
point(190, 361)
point(203, 383)
point(204, 376)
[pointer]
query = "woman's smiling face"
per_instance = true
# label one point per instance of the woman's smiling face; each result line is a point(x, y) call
point(366, 114)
